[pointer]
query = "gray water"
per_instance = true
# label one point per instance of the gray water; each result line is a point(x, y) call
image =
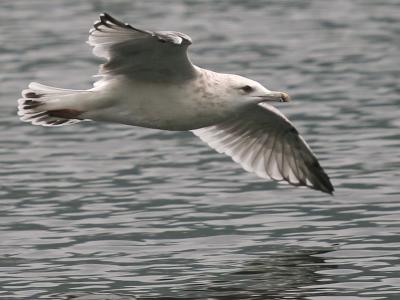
point(100, 211)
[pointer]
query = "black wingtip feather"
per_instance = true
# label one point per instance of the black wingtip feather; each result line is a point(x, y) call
point(323, 183)
point(106, 19)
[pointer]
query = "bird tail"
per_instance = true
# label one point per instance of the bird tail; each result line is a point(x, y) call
point(48, 106)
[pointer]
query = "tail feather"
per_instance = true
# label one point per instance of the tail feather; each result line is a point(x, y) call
point(40, 105)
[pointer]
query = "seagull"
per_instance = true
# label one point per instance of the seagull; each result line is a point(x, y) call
point(149, 81)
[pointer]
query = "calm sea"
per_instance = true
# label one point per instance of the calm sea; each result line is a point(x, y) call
point(101, 211)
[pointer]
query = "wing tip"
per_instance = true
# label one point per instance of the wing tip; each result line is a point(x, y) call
point(107, 20)
point(323, 183)
point(326, 189)
point(104, 17)
point(324, 186)
point(330, 189)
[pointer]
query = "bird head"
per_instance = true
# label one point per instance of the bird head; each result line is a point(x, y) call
point(254, 92)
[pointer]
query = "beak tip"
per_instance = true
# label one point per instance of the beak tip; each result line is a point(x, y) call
point(285, 97)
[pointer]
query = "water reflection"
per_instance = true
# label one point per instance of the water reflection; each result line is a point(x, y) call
point(278, 275)
point(120, 210)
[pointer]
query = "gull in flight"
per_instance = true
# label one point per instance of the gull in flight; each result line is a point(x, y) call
point(149, 81)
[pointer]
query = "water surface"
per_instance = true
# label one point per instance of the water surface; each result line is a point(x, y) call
point(100, 211)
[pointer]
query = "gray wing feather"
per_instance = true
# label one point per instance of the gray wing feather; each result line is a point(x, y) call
point(140, 54)
point(265, 142)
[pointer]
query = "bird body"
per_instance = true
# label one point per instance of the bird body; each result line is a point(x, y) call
point(195, 103)
point(149, 81)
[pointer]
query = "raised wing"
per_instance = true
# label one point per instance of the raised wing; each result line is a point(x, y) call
point(265, 142)
point(140, 54)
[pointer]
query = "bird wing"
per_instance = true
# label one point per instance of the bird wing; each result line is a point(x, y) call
point(265, 142)
point(140, 54)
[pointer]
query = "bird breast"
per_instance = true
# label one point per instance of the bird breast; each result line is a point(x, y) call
point(183, 106)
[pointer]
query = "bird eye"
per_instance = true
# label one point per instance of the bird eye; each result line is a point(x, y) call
point(247, 89)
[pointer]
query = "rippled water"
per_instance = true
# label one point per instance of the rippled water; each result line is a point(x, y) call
point(100, 211)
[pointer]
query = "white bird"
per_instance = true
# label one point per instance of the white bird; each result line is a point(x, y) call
point(149, 81)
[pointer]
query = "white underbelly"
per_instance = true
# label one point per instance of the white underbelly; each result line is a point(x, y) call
point(163, 115)
point(161, 107)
